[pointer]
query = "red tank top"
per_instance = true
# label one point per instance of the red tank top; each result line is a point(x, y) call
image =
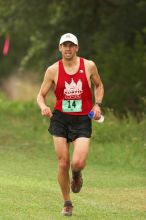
point(73, 94)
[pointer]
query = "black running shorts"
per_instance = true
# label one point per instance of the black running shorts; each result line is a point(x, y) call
point(70, 127)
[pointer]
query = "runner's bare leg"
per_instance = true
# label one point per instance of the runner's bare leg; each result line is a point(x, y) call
point(62, 151)
point(80, 153)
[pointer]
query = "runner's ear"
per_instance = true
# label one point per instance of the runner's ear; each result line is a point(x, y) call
point(59, 47)
point(77, 48)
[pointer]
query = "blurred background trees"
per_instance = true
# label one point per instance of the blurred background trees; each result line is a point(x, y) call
point(111, 32)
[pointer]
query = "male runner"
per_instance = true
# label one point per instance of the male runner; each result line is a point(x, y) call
point(69, 121)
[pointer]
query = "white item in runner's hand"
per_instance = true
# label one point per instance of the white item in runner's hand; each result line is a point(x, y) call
point(100, 120)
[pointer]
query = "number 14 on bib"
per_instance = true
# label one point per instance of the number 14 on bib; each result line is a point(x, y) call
point(72, 105)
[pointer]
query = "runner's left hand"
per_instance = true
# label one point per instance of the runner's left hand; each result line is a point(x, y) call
point(97, 112)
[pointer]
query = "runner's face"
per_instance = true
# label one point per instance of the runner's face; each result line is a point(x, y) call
point(68, 50)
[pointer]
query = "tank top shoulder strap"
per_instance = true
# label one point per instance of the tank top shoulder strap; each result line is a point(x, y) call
point(61, 70)
point(82, 65)
point(61, 67)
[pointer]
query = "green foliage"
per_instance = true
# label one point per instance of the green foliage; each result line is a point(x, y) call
point(123, 70)
point(112, 33)
point(119, 142)
point(16, 108)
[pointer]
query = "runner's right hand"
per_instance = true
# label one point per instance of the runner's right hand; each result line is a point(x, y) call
point(46, 111)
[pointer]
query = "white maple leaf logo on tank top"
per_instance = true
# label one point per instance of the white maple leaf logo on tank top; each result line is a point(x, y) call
point(73, 90)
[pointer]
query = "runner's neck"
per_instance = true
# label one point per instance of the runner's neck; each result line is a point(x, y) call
point(71, 66)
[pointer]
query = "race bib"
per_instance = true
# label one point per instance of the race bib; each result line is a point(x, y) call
point(72, 105)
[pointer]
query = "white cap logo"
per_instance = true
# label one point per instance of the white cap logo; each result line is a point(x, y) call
point(68, 37)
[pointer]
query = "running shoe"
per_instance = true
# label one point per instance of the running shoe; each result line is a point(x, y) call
point(76, 183)
point(67, 210)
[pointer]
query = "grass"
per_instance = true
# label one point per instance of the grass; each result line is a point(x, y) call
point(114, 179)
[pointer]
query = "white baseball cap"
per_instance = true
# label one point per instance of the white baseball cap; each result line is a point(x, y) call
point(68, 37)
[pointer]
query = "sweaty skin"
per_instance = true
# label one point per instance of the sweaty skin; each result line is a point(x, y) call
point(71, 65)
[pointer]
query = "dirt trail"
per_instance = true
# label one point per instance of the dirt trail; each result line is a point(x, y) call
point(20, 88)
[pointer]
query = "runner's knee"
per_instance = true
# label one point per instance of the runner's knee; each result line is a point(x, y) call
point(78, 165)
point(63, 164)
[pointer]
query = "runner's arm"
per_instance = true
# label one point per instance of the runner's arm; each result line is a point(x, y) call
point(98, 90)
point(45, 87)
point(98, 85)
